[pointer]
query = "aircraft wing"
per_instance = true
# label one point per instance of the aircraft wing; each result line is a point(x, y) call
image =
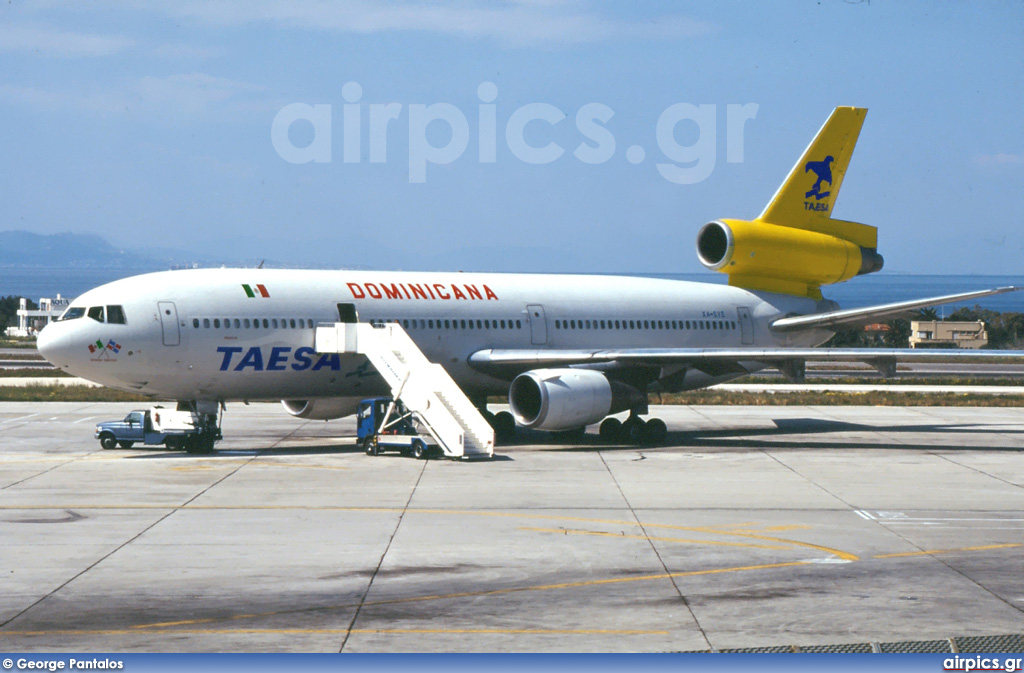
point(870, 314)
point(496, 358)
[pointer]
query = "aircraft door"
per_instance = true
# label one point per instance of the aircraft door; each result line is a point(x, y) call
point(538, 324)
point(169, 322)
point(347, 313)
point(746, 325)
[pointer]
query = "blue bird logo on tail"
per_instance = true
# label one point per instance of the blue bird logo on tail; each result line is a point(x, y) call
point(823, 169)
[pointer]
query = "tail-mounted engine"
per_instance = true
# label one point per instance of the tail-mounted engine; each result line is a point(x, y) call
point(764, 256)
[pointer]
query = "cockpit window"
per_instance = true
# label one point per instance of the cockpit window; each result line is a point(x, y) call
point(73, 312)
point(115, 314)
point(96, 313)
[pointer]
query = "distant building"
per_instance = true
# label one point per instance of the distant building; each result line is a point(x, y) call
point(31, 321)
point(942, 334)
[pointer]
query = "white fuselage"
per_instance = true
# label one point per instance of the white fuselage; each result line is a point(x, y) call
point(248, 334)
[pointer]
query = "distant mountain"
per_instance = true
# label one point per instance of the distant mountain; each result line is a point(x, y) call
point(24, 248)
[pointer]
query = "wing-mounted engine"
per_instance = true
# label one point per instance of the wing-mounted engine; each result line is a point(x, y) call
point(322, 409)
point(566, 399)
point(795, 246)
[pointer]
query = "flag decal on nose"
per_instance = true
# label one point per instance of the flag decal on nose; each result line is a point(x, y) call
point(255, 290)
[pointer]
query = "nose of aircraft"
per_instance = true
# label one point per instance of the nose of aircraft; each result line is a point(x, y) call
point(54, 343)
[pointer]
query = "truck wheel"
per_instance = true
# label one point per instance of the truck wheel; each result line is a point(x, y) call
point(419, 450)
point(369, 448)
point(175, 443)
point(126, 445)
point(108, 442)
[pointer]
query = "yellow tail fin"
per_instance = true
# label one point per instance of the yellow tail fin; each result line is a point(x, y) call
point(805, 200)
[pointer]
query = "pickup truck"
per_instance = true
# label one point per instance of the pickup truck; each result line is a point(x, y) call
point(176, 430)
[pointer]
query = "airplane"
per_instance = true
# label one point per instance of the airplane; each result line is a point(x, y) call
point(568, 350)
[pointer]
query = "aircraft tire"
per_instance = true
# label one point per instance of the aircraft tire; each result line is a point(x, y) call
point(504, 426)
point(633, 430)
point(654, 432)
point(108, 442)
point(611, 430)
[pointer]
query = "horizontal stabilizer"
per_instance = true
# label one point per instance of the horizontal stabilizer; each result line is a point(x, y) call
point(870, 314)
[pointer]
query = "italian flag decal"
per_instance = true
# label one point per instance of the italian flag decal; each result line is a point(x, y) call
point(260, 290)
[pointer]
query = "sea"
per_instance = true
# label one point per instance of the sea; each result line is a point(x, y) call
point(879, 288)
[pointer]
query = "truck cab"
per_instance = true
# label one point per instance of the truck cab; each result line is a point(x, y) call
point(377, 430)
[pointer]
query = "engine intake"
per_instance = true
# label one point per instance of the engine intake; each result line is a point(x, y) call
point(565, 399)
point(760, 255)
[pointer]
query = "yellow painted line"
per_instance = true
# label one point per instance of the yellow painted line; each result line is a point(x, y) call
point(950, 551)
point(475, 594)
point(565, 531)
point(540, 632)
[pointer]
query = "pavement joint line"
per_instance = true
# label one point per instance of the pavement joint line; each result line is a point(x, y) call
point(380, 562)
point(946, 457)
point(654, 548)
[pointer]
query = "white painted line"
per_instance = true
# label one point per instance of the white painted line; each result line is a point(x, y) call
point(19, 418)
point(864, 515)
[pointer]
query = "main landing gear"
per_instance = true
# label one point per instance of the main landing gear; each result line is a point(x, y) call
point(504, 425)
point(634, 430)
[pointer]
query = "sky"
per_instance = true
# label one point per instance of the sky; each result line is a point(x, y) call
point(504, 135)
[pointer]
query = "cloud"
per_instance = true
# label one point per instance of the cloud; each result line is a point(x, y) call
point(53, 100)
point(191, 94)
point(175, 96)
point(510, 21)
point(52, 42)
point(1000, 159)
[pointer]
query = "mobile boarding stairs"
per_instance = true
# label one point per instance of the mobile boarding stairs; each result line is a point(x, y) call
point(424, 388)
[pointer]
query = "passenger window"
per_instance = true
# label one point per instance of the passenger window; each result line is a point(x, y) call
point(195, 322)
point(96, 313)
point(206, 323)
point(115, 315)
point(216, 323)
point(519, 324)
point(502, 324)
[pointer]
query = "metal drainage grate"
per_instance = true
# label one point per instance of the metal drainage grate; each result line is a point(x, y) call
point(918, 646)
point(1010, 644)
point(845, 648)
